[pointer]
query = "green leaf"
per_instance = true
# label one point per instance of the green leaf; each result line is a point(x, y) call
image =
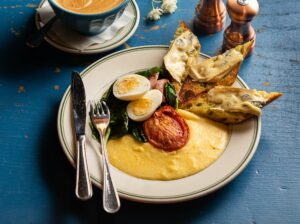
point(107, 94)
point(107, 134)
point(170, 95)
point(136, 129)
point(151, 71)
point(118, 123)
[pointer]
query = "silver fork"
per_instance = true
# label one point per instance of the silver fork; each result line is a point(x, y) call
point(100, 116)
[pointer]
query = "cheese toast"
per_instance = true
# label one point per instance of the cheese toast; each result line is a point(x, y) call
point(191, 88)
point(184, 47)
point(229, 104)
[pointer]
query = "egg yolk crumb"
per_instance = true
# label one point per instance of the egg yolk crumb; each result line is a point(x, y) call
point(141, 106)
point(127, 84)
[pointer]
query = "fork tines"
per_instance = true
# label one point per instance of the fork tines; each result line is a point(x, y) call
point(99, 108)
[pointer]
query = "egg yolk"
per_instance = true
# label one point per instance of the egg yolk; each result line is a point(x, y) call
point(127, 84)
point(141, 106)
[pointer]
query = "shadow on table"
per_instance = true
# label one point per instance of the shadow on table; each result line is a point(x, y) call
point(20, 61)
point(59, 176)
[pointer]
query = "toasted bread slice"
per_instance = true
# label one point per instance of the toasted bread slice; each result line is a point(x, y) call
point(184, 47)
point(180, 29)
point(226, 77)
point(215, 68)
point(229, 104)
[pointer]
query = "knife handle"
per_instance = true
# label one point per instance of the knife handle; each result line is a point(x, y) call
point(83, 188)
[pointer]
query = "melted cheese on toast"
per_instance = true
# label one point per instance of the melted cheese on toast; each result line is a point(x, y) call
point(183, 48)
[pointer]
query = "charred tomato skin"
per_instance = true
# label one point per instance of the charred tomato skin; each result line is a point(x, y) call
point(166, 129)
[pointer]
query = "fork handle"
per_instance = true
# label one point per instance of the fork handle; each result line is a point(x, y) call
point(83, 188)
point(111, 201)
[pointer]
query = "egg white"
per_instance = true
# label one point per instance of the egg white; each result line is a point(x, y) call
point(122, 91)
point(153, 96)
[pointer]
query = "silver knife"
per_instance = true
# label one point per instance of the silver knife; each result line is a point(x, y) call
point(83, 188)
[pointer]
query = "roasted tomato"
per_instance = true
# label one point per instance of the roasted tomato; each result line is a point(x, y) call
point(166, 129)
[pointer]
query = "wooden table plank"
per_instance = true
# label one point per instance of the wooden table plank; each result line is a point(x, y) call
point(37, 181)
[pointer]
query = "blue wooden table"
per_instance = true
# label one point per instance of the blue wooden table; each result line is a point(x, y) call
point(37, 181)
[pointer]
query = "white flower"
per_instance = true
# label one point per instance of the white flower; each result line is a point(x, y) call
point(155, 14)
point(169, 6)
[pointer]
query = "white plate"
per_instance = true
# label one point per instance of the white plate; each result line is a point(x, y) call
point(97, 77)
point(120, 38)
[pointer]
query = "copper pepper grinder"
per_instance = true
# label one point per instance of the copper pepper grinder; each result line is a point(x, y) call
point(240, 30)
point(210, 16)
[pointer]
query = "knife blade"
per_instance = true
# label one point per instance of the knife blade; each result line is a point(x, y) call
point(83, 189)
point(79, 104)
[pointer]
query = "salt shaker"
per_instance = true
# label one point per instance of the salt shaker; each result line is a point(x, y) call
point(240, 30)
point(210, 16)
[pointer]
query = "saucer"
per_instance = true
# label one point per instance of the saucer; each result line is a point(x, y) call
point(120, 38)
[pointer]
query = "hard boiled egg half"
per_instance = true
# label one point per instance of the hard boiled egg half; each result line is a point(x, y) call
point(131, 87)
point(142, 108)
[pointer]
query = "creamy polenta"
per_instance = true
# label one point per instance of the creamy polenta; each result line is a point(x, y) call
point(207, 141)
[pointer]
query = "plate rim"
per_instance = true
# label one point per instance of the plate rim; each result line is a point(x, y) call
point(160, 199)
point(67, 49)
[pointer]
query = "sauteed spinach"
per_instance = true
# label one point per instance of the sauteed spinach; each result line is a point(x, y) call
point(170, 95)
point(151, 71)
point(120, 124)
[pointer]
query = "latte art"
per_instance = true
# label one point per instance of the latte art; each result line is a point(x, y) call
point(76, 4)
point(89, 6)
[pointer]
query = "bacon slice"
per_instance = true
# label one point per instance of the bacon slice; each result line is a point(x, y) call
point(166, 129)
point(153, 79)
point(160, 85)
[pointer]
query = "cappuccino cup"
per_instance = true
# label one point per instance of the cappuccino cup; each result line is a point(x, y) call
point(88, 17)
